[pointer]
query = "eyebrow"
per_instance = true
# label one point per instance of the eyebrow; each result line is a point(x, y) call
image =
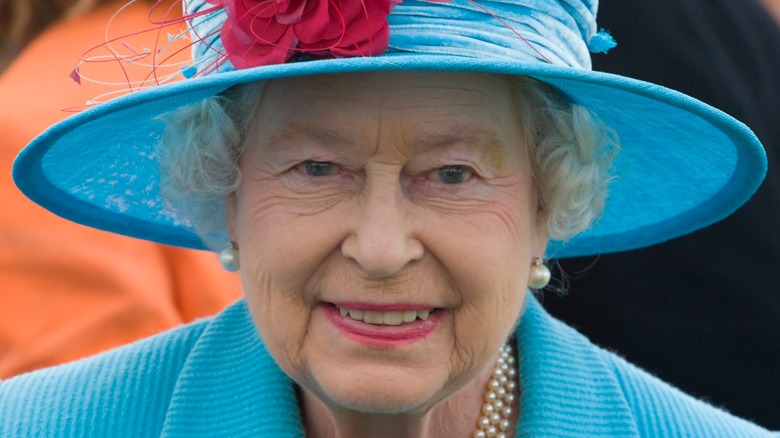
point(324, 136)
point(492, 146)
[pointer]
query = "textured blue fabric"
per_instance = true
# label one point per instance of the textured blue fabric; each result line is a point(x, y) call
point(683, 166)
point(214, 378)
point(558, 31)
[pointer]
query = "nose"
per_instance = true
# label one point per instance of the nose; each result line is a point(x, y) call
point(383, 236)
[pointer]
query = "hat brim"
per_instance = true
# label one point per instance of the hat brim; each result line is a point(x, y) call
point(682, 166)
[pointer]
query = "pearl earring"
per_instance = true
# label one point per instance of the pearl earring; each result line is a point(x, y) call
point(228, 258)
point(539, 275)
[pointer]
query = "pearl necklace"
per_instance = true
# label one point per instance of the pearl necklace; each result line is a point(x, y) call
point(499, 398)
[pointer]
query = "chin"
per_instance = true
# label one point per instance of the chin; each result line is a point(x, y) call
point(380, 393)
point(380, 403)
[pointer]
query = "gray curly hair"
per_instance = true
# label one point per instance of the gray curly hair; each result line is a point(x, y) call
point(571, 153)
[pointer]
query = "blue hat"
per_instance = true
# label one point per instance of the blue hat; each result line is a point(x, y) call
point(682, 166)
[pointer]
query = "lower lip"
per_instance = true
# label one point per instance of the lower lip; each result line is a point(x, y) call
point(383, 336)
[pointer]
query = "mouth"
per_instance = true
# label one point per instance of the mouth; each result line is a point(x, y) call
point(383, 326)
point(386, 317)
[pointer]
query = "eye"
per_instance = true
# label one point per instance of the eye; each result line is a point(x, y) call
point(453, 174)
point(319, 168)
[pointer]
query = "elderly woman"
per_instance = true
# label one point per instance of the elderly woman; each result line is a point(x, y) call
point(388, 177)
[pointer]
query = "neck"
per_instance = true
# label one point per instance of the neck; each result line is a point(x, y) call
point(456, 416)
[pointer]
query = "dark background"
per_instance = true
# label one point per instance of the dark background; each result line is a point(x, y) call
point(701, 311)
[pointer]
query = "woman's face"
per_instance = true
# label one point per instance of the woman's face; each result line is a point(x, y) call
point(386, 224)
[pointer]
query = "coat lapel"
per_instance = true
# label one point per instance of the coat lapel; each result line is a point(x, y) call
point(568, 388)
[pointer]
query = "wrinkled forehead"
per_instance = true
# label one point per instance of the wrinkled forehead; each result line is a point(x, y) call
point(431, 109)
point(447, 99)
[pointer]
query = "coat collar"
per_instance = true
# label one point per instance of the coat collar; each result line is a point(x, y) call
point(568, 387)
point(230, 386)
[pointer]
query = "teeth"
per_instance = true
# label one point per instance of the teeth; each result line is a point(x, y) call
point(372, 317)
point(410, 315)
point(391, 317)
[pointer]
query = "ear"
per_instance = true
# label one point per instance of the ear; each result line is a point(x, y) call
point(231, 216)
point(540, 237)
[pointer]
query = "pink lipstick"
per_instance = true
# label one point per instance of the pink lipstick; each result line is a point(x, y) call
point(364, 323)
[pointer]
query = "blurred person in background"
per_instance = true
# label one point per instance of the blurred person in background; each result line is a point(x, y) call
point(709, 298)
point(774, 8)
point(68, 291)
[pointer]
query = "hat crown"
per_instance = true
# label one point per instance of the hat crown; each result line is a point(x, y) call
point(536, 31)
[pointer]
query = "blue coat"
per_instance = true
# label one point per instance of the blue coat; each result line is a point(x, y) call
point(215, 378)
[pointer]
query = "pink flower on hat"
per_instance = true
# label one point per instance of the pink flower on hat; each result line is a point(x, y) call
point(263, 32)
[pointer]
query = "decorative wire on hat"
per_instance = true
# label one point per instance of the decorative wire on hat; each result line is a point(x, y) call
point(229, 35)
point(136, 65)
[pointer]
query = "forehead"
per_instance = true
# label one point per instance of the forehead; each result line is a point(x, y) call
point(428, 104)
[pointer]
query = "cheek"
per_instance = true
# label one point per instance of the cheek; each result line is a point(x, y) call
point(491, 279)
point(499, 235)
point(282, 252)
point(488, 264)
point(280, 242)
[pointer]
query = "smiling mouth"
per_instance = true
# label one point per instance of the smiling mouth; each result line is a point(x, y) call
point(388, 317)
